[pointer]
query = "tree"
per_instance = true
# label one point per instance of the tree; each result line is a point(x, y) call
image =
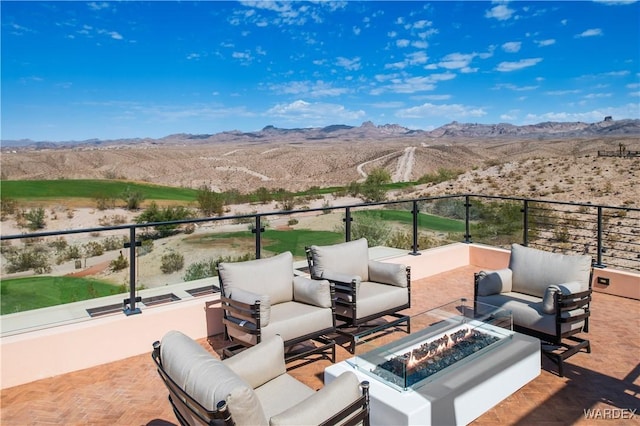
point(132, 198)
point(372, 189)
point(211, 203)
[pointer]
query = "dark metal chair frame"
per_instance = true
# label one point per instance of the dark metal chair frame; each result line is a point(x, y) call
point(555, 346)
point(246, 318)
point(362, 325)
point(222, 417)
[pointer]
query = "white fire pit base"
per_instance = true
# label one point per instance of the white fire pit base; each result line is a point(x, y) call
point(458, 397)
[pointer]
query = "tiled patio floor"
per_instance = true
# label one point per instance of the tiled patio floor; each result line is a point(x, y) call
point(129, 392)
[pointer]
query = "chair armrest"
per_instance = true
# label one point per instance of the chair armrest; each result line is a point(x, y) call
point(312, 292)
point(322, 405)
point(343, 282)
point(493, 282)
point(260, 363)
point(549, 299)
point(250, 298)
point(388, 273)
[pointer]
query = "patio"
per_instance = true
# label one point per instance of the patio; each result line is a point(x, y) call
point(604, 384)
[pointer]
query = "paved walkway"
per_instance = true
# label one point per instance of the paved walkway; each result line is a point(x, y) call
point(129, 392)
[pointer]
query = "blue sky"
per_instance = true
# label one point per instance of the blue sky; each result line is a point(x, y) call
point(80, 70)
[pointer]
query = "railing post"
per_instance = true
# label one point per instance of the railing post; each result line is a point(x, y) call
point(599, 263)
point(131, 308)
point(467, 219)
point(347, 224)
point(525, 224)
point(414, 213)
point(258, 230)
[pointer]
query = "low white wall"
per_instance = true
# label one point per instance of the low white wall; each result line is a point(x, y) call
point(58, 350)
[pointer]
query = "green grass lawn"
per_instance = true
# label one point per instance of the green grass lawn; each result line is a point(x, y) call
point(431, 222)
point(23, 294)
point(272, 240)
point(90, 188)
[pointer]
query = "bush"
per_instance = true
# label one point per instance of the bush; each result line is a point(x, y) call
point(171, 262)
point(372, 227)
point(167, 214)
point(35, 218)
point(34, 257)
point(207, 268)
point(133, 199)
point(113, 243)
point(93, 248)
point(210, 202)
point(119, 263)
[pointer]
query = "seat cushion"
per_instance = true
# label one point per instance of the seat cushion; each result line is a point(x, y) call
point(320, 406)
point(373, 298)
point(527, 312)
point(282, 393)
point(350, 258)
point(272, 276)
point(207, 380)
point(535, 270)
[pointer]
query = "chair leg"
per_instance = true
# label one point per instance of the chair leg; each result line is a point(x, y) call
point(558, 355)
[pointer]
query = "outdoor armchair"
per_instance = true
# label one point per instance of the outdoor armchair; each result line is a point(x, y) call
point(251, 388)
point(549, 295)
point(366, 290)
point(262, 298)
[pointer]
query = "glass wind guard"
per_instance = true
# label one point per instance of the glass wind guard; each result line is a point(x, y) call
point(441, 339)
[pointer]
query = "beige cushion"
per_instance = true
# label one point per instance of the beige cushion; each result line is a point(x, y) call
point(350, 258)
point(208, 380)
point(374, 298)
point(260, 363)
point(535, 270)
point(272, 276)
point(388, 273)
point(548, 305)
point(338, 277)
point(292, 320)
point(246, 296)
point(320, 406)
point(494, 282)
point(312, 292)
point(282, 393)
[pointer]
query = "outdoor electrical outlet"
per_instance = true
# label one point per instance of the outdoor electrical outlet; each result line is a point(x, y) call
point(603, 280)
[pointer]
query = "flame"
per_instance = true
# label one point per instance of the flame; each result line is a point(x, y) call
point(445, 342)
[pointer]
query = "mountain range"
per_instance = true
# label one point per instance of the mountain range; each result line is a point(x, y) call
point(367, 130)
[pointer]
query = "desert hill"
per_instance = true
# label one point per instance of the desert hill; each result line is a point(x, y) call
point(296, 159)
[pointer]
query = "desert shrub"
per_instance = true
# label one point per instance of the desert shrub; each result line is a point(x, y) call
point(7, 207)
point(189, 228)
point(211, 203)
point(58, 244)
point(372, 189)
point(113, 243)
point(370, 226)
point(146, 247)
point(404, 240)
point(34, 258)
point(263, 195)
point(207, 268)
point(441, 175)
point(119, 263)
point(132, 199)
point(93, 248)
point(171, 262)
point(35, 218)
point(292, 221)
point(153, 213)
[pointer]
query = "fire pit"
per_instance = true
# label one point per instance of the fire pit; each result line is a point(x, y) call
point(459, 361)
point(449, 336)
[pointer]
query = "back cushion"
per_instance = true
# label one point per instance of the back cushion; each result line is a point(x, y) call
point(207, 380)
point(351, 258)
point(272, 276)
point(534, 270)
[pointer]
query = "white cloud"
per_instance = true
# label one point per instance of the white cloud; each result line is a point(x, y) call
point(404, 84)
point(450, 111)
point(500, 12)
point(403, 42)
point(513, 66)
point(624, 111)
point(313, 114)
point(349, 64)
point(593, 32)
point(315, 89)
point(512, 46)
point(456, 60)
point(547, 42)
point(98, 6)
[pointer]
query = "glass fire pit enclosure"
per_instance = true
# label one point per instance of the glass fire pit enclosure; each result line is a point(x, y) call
point(441, 339)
